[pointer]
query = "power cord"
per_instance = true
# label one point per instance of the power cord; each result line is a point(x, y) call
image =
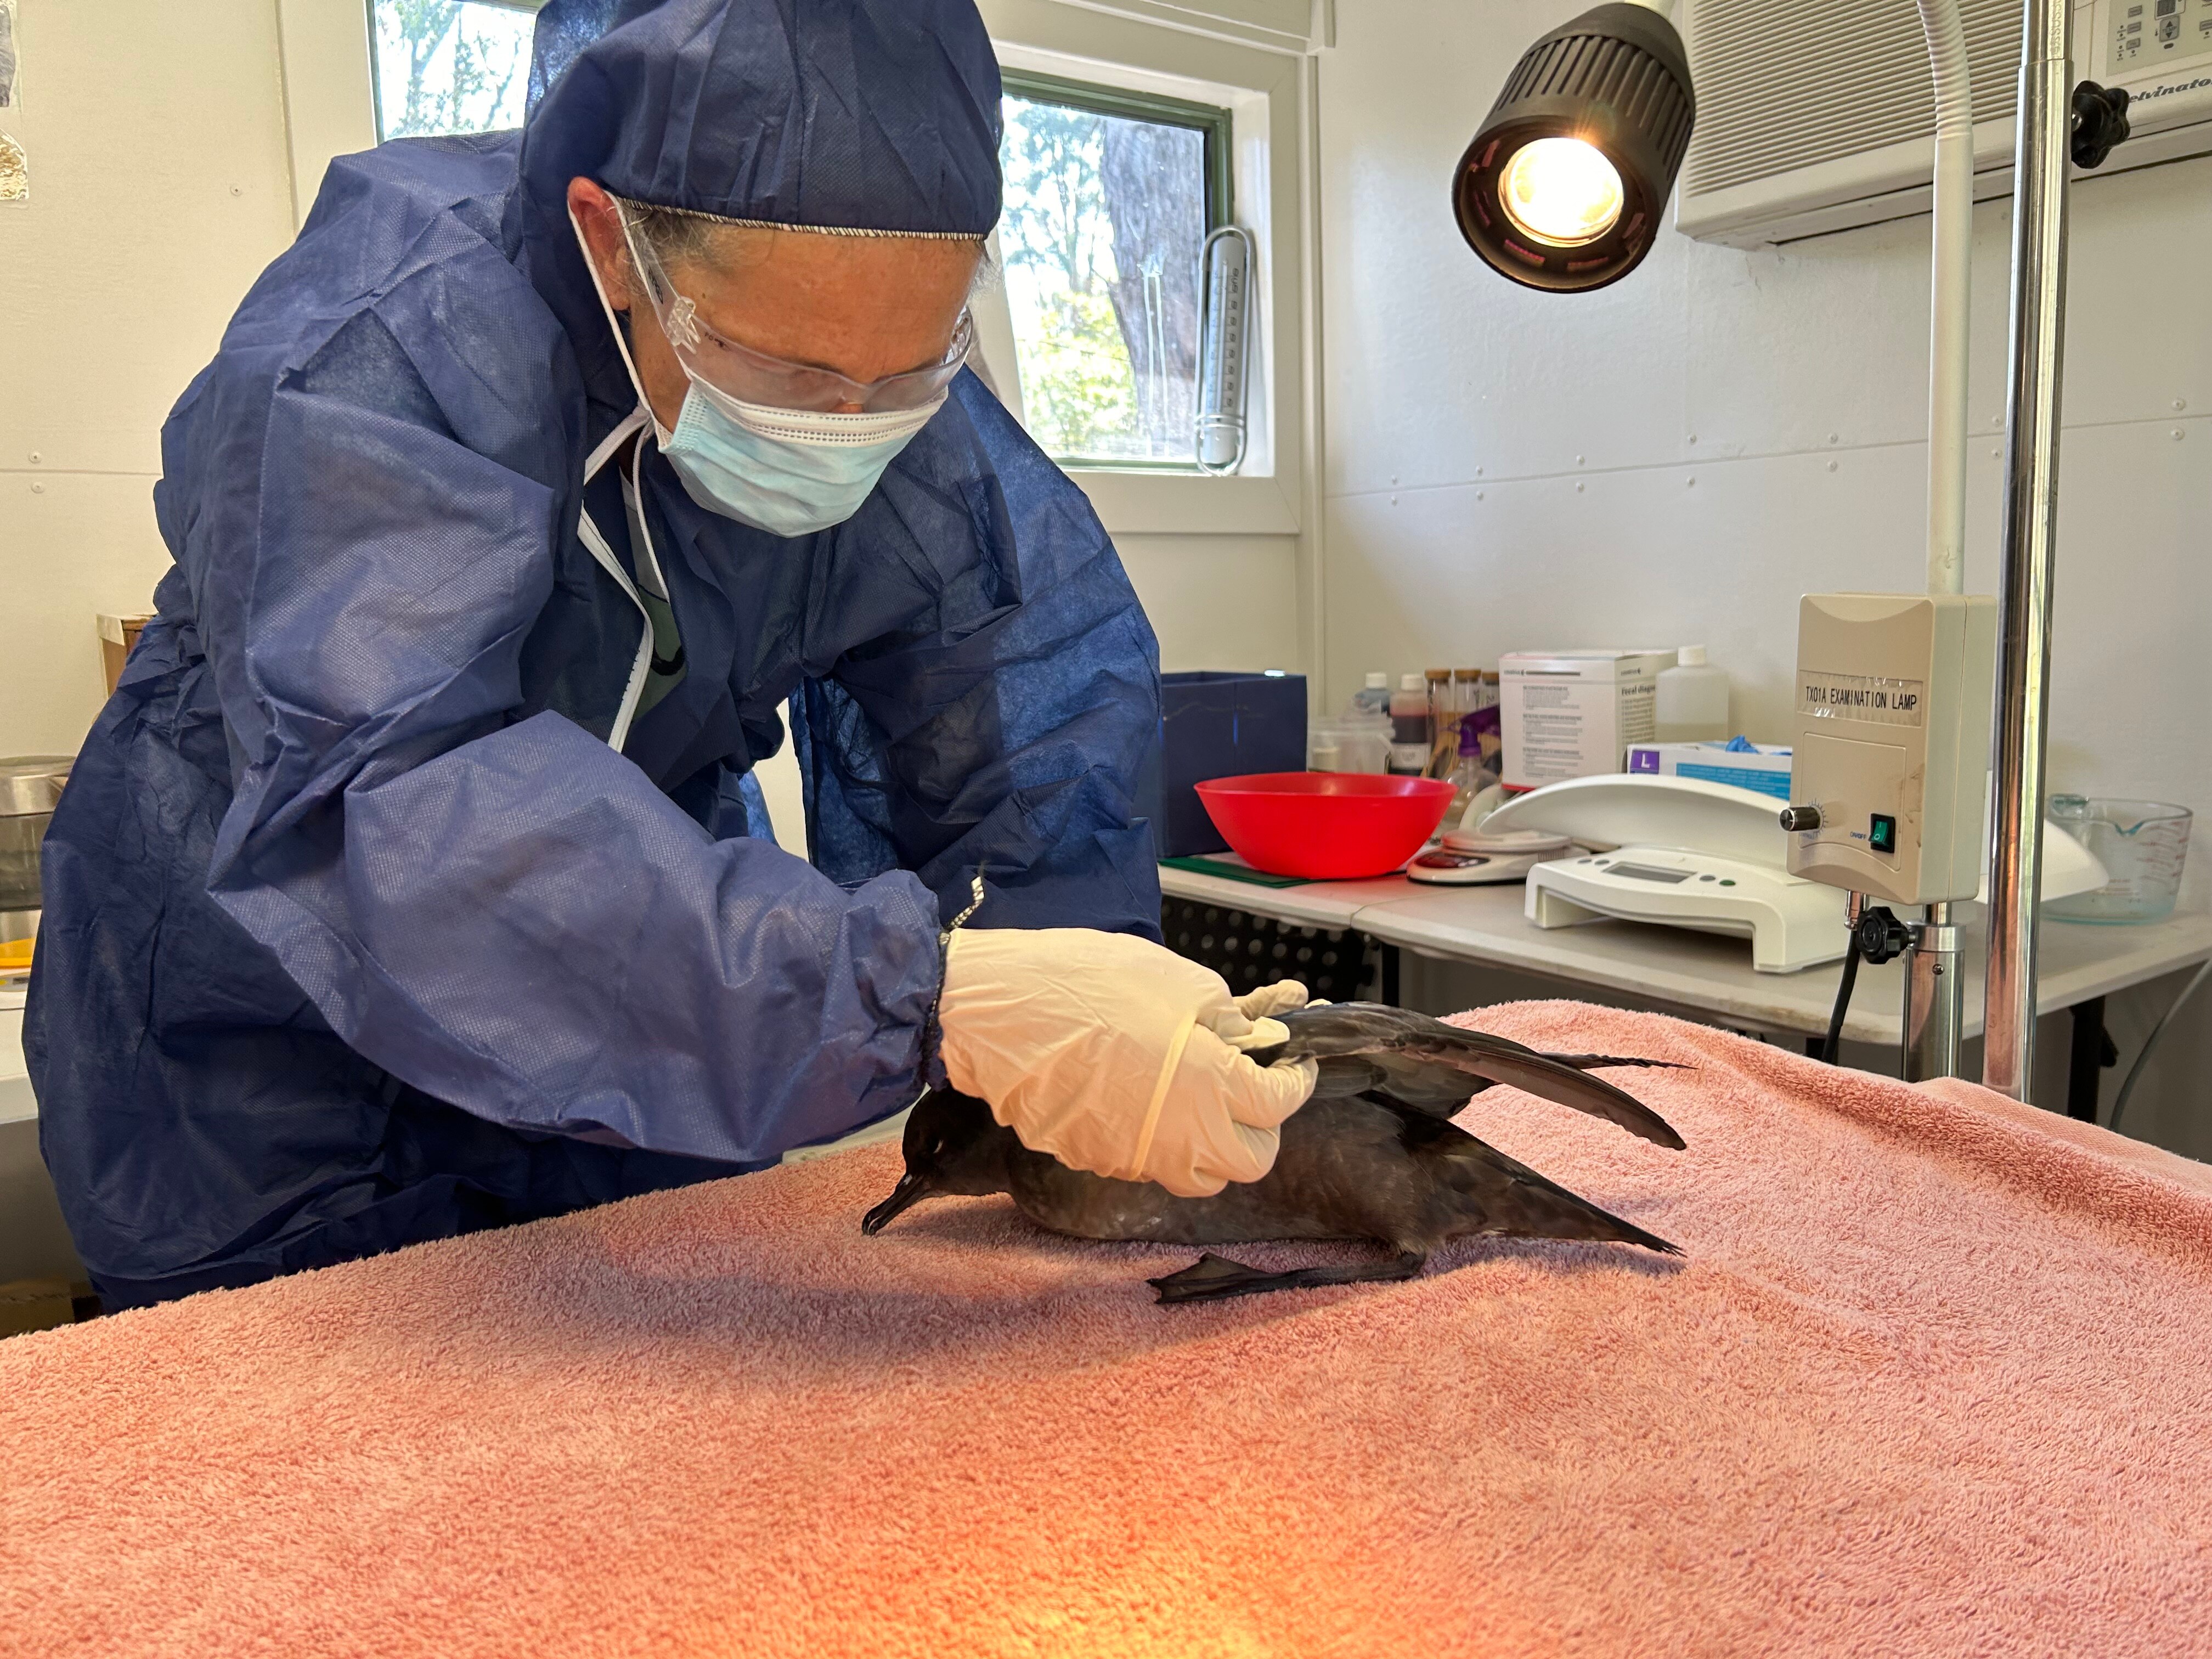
point(1877, 936)
point(2150, 1043)
point(1835, 1042)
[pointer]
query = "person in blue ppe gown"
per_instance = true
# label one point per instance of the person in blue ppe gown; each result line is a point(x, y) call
point(414, 881)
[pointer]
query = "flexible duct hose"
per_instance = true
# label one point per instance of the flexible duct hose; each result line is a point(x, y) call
point(1951, 297)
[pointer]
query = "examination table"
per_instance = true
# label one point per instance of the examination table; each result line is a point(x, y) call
point(1935, 1376)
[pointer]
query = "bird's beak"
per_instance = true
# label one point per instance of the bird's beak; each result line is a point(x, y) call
point(910, 1187)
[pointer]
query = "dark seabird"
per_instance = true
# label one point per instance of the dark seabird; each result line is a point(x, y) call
point(1372, 1155)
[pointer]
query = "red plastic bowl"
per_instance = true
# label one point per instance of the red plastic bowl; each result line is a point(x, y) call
point(1327, 826)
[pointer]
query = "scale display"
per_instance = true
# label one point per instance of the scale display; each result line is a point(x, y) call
point(2143, 31)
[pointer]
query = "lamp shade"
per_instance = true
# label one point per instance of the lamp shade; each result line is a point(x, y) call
point(1566, 181)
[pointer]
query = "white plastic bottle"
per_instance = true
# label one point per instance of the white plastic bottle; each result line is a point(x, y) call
point(1374, 697)
point(1692, 704)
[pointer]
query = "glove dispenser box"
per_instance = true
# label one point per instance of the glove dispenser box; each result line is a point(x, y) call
point(1219, 725)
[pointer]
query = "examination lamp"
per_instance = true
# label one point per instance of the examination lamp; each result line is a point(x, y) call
point(1565, 182)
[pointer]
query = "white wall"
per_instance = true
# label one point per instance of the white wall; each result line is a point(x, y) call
point(1223, 602)
point(1220, 564)
point(159, 188)
point(1680, 457)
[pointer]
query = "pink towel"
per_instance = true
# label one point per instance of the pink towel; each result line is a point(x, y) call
point(1932, 1380)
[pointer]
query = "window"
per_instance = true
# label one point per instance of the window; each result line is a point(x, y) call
point(1110, 192)
point(450, 65)
point(1109, 198)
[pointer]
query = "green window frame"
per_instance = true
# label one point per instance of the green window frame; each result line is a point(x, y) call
point(1216, 127)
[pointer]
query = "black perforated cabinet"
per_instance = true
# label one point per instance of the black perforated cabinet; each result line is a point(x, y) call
point(1250, 950)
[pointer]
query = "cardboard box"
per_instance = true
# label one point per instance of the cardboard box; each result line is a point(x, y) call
point(39, 1304)
point(1574, 713)
point(116, 636)
point(1762, 766)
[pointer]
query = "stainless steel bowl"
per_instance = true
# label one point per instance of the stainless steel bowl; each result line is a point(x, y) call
point(30, 788)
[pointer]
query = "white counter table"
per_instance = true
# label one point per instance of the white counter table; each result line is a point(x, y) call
point(1703, 973)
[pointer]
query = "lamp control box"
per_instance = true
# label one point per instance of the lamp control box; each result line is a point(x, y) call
point(1889, 781)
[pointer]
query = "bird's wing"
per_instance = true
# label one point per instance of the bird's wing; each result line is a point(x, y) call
point(1356, 1046)
point(1411, 1080)
point(1341, 1075)
point(1441, 1091)
point(1554, 1082)
point(1350, 1028)
point(1422, 1060)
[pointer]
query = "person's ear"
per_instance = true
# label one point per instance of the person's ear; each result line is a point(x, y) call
point(599, 222)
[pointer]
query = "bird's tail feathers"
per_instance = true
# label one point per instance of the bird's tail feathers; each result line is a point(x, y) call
point(1531, 1204)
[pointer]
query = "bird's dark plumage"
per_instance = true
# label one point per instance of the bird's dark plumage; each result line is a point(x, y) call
point(1373, 1154)
point(1424, 1063)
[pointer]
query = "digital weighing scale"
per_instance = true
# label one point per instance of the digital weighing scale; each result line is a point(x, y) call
point(1711, 856)
point(1475, 858)
point(1681, 852)
point(1791, 922)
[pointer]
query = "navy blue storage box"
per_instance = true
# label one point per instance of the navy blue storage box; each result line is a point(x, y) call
point(1221, 725)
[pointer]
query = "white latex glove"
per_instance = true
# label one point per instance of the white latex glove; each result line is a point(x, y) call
point(1250, 1021)
point(1268, 1001)
point(1118, 1056)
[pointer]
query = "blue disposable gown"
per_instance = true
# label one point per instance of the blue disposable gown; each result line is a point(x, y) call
point(358, 931)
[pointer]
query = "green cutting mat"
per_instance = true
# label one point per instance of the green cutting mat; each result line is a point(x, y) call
point(1228, 871)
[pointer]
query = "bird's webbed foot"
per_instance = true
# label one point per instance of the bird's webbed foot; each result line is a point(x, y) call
point(1215, 1278)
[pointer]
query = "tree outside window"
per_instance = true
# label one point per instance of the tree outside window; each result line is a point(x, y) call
point(1106, 213)
point(1105, 216)
point(446, 66)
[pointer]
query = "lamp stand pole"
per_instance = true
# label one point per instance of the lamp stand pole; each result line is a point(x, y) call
point(2042, 158)
point(1935, 991)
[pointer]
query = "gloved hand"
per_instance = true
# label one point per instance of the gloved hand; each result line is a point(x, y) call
point(1258, 1009)
point(1118, 1056)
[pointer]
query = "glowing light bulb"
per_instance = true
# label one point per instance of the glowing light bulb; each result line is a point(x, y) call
point(1562, 191)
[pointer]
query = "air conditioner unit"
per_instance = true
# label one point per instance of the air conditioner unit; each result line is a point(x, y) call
point(1816, 116)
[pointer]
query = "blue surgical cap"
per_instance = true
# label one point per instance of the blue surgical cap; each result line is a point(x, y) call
point(866, 115)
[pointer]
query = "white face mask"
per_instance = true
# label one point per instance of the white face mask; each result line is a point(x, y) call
point(788, 472)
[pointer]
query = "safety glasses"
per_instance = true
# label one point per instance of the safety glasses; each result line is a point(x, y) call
point(754, 377)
